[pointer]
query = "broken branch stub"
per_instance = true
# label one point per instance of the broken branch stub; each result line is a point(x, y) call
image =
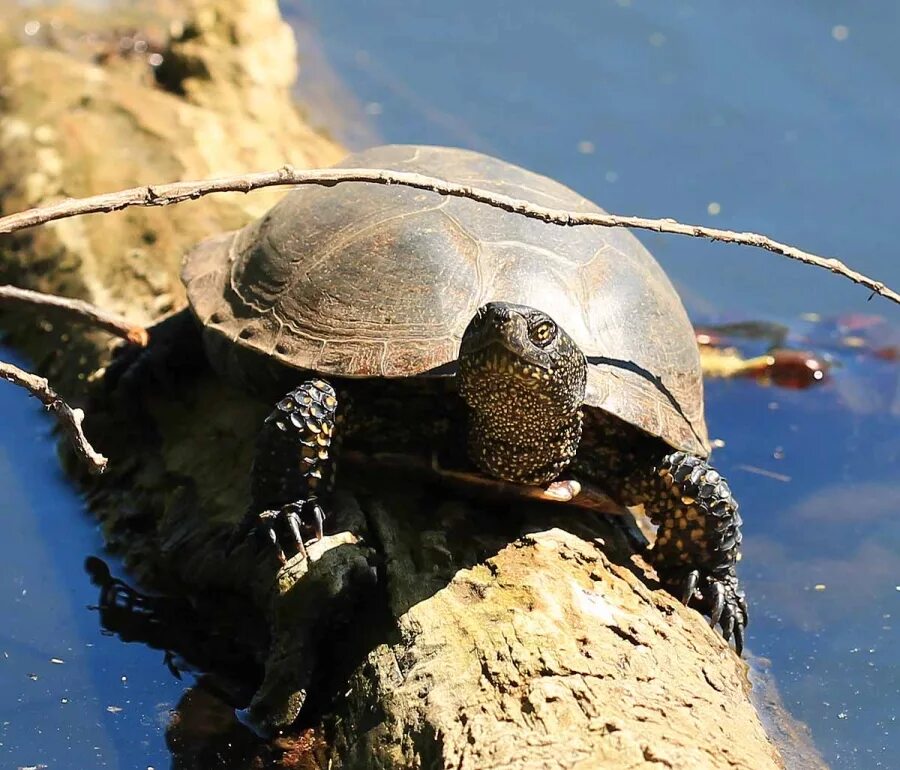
point(70, 419)
point(77, 310)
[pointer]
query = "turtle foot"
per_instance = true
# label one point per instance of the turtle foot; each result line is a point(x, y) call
point(718, 597)
point(283, 530)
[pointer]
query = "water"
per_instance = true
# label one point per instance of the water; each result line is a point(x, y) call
point(71, 696)
point(775, 114)
point(768, 116)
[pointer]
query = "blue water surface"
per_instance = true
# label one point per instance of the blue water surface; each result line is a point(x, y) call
point(70, 696)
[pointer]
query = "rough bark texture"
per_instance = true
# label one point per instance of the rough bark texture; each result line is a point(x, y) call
point(547, 654)
point(496, 635)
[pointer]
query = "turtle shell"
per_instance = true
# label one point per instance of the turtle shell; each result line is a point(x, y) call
point(366, 280)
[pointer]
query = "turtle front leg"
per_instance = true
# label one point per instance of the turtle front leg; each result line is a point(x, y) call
point(698, 541)
point(291, 469)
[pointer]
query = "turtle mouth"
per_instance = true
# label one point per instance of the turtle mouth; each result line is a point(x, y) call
point(495, 359)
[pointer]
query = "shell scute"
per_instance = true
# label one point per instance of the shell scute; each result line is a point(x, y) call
point(364, 280)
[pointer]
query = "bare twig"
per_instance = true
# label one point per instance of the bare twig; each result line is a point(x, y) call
point(78, 310)
point(70, 419)
point(163, 195)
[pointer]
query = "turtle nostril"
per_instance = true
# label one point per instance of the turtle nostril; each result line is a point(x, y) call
point(498, 312)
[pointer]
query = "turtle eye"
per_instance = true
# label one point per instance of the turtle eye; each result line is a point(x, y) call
point(542, 333)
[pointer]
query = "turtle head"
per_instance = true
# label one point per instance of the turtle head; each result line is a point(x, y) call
point(517, 356)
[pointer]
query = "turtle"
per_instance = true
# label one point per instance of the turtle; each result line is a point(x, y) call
point(395, 316)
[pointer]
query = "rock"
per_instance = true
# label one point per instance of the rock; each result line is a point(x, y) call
point(73, 126)
point(497, 634)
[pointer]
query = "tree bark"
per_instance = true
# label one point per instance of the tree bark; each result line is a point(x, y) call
point(434, 629)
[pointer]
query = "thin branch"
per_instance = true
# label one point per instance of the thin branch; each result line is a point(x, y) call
point(70, 419)
point(163, 195)
point(78, 310)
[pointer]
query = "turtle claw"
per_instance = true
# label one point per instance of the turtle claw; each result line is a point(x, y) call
point(720, 598)
point(717, 597)
point(738, 638)
point(267, 533)
point(690, 587)
point(728, 627)
point(727, 608)
point(293, 522)
point(318, 521)
point(283, 529)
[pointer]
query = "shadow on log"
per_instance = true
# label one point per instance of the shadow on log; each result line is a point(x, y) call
point(430, 630)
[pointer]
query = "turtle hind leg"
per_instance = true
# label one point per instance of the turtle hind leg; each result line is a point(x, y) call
point(698, 542)
point(292, 468)
point(175, 350)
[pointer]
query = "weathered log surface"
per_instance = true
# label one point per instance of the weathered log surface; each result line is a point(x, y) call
point(546, 654)
point(509, 635)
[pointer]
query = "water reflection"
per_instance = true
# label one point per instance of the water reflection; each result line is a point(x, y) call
point(69, 695)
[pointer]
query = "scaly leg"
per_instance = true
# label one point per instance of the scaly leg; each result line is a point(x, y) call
point(699, 527)
point(698, 541)
point(291, 468)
